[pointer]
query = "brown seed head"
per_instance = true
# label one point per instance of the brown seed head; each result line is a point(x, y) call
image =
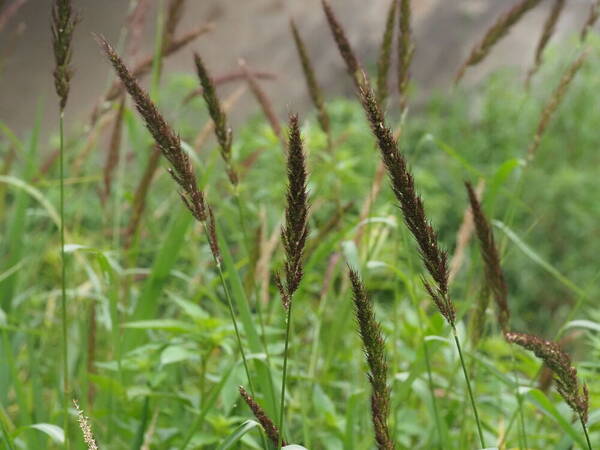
point(295, 230)
point(496, 32)
point(591, 19)
point(222, 130)
point(547, 32)
point(560, 363)
point(374, 351)
point(169, 143)
point(413, 211)
point(64, 21)
point(406, 50)
point(385, 54)
point(311, 80)
point(491, 259)
point(270, 429)
point(339, 35)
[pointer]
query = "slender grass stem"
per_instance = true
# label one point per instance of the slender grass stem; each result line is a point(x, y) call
point(585, 432)
point(519, 400)
point(283, 378)
point(464, 368)
point(232, 314)
point(63, 284)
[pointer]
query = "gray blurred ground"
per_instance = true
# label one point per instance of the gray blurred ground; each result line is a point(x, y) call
point(258, 31)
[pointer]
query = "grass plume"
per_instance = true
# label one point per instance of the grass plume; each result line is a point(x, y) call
point(553, 103)
point(491, 258)
point(314, 90)
point(165, 137)
point(413, 211)
point(86, 428)
point(293, 236)
point(64, 21)
point(547, 32)
point(265, 421)
point(374, 350)
point(567, 384)
point(385, 54)
point(217, 113)
point(494, 34)
point(406, 50)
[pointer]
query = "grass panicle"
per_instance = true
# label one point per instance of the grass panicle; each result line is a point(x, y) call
point(314, 90)
point(385, 54)
point(295, 230)
point(374, 350)
point(406, 50)
point(339, 35)
point(547, 32)
point(413, 211)
point(265, 421)
point(169, 143)
point(293, 237)
point(591, 20)
point(491, 258)
point(229, 78)
point(553, 103)
point(86, 428)
point(64, 21)
point(567, 384)
point(497, 31)
point(222, 130)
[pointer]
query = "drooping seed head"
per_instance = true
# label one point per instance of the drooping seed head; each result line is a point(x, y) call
point(265, 421)
point(559, 362)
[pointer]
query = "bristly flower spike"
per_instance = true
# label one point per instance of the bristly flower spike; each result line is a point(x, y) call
point(559, 362)
point(222, 130)
point(374, 350)
point(265, 421)
point(169, 143)
point(64, 21)
point(491, 259)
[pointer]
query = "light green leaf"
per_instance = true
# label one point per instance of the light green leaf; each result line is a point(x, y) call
point(55, 433)
point(238, 434)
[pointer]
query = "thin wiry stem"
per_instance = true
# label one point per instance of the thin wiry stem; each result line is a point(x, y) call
point(288, 321)
point(63, 284)
point(585, 432)
point(471, 397)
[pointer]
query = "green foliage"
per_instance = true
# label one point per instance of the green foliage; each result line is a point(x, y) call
point(166, 362)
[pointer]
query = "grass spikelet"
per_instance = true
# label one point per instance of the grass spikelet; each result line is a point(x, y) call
point(265, 421)
point(552, 105)
point(295, 230)
point(64, 21)
point(86, 429)
point(166, 139)
point(374, 350)
point(293, 237)
point(547, 32)
point(591, 20)
point(339, 35)
point(496, 32)
point(406, 50)
point(314, 90)
point(385, 54)
point(491, 259)
point(217, 113)
point(559, 362)
point(413, 211)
